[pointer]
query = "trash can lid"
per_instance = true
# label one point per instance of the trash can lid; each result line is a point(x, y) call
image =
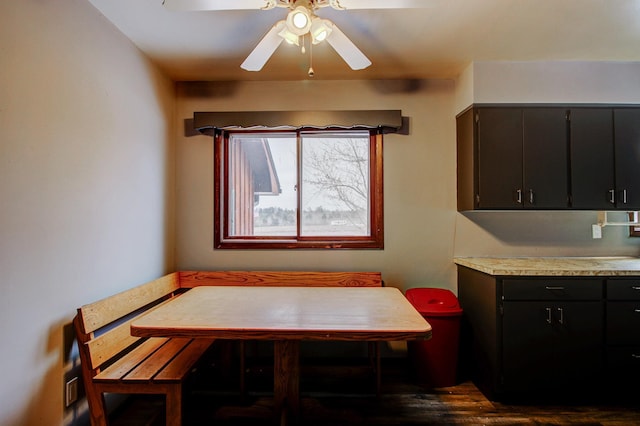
point(434, 301)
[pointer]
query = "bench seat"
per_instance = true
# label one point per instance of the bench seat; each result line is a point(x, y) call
point(113, 361)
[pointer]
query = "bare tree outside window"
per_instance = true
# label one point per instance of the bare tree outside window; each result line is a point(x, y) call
point(335, 184)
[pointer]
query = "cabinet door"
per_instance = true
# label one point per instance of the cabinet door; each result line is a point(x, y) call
point(527, 349)
point(578, 343)
point(552, 346)
point(592, 173)
point(623, 323)
point(499, 151)
point(545, 169)
point(627, 156)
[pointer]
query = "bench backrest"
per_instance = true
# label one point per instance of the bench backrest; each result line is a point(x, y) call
point(103, 327)
point(189, 279)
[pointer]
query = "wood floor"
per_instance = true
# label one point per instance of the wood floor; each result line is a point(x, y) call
point(345, 395)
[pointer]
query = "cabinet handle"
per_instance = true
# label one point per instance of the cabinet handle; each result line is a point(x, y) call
point(612, 196)
point(635, 356)
point(519, 199)
point(637, 311)
point(531, 199)
point(551, 287)
point(624, 196)
point(635, 287)
point(561, 312)
point(548, 315)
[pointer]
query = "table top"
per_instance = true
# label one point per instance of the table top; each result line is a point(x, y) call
point(283, 313)
point(553, 266)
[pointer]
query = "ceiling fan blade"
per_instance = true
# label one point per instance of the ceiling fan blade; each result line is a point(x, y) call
point(346, 49)
point(265, 48)
point(384, 4)
point(214, 4)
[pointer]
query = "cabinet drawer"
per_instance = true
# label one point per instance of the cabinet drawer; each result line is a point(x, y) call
point(623, 323)
point(623, 289)
point(552, 289)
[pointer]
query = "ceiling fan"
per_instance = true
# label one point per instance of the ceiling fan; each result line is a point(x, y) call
point(301, 21)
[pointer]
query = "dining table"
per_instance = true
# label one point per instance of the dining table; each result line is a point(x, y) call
point(286, 316)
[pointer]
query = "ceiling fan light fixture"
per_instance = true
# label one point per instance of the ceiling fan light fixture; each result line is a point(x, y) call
point(299, 20)
point(320, 30)
point(289, 37)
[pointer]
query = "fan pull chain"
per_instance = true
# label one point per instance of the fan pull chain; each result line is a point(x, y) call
point(311, 72)
point(303, 49)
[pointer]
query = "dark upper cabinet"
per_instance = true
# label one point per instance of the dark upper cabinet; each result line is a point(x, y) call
point(605, 158)
point(549, 157)
point(592, 158)
point(512, 158)
point(499, 153)
point(545, 174)
point(627, 157)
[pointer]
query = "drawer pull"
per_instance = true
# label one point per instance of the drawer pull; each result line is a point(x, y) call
point(636, 311)
point(635, 287)
point(635, 356)
point(551, 287)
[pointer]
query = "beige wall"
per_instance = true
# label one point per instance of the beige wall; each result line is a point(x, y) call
point(86, 188)
point(419, 178)
point(556, 81)
point(423, 230)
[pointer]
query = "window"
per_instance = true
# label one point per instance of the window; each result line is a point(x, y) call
point(298, 189)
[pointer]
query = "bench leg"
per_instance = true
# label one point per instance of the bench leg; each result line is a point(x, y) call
point(174, 406)
point(97, 408)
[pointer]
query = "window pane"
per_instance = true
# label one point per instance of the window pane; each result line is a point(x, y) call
point(335, 184)
point(261, 185)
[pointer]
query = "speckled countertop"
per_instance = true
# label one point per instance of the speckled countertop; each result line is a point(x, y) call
point(552, 266)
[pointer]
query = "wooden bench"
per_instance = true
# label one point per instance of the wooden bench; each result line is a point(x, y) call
point(113, 361)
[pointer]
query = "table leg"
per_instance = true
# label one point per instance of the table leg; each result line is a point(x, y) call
point(286, 380)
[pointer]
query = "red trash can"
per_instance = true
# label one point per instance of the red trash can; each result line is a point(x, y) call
point(435, 360)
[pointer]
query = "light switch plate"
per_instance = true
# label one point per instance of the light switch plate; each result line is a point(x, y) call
point(71, 391)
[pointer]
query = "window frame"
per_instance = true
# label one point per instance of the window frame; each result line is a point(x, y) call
point(222, 239)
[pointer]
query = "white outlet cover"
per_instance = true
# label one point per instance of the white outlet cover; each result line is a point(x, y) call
point(596, 231)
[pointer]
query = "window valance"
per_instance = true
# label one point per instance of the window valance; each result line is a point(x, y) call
point(388, 121)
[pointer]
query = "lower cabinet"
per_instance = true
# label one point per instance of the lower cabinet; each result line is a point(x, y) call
point(550, 346)
point(541, 335)
point(623, 332)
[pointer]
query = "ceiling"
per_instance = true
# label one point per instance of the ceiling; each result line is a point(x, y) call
point(437, 41)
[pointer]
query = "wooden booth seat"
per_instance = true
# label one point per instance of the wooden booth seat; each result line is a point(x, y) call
point(113, 361)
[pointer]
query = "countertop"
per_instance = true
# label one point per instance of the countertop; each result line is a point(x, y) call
point(553, 266)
